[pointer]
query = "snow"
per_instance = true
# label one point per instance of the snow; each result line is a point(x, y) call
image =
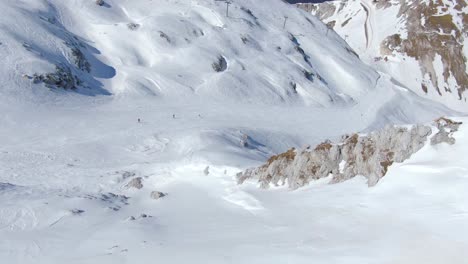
point(63, 152)
point(342, 165)
point(211, 219)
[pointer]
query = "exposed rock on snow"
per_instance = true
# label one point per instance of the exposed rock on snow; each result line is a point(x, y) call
point(136, 183)
point(77, 211)
point(6, 186)
point(220, 65)
point(206, 171)
point(141, 216)
point(126, 174)
point(446, 129)
point(367, 155)
point(80, 60)
point(156, 195)
point(165, 36)
point(133, 26)
point(114, 201)
point(425, 42)
point(61, 78)
point(429, 35)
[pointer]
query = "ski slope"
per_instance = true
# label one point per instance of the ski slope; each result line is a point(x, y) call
point(67, 156)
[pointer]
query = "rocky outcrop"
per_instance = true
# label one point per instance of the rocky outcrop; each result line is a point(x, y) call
point(133, 26)
point(61, 78)
point(220, 65)
point(136, 183)
point(430, 35)
point(367, 155)
point(432, 32)
point(80, 60)
point(446, 129)
point(157, 195)
point(323, 11)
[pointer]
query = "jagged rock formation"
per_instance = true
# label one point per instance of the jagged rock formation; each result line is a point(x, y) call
point(446, 129)
point(133, 26)
point(61, 78)
point(323, 11)
point(220, 65)
point(433, 32)
point(367, 155)
point(64, 76)
point(399, 36)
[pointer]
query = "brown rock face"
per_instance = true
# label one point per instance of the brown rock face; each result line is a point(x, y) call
point(429, 35)
point(367, 155)
point(434, 35)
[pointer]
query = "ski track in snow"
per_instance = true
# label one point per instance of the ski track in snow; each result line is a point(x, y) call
point(209, 15)
point(369, 23)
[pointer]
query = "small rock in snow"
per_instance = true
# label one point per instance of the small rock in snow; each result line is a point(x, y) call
point(206, 171)
point(156, 195)
point(77, 211)
point(135, 183)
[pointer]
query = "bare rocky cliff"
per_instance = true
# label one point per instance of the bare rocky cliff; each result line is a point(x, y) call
point(367, 155)
point(433, 31)
point(399, 36)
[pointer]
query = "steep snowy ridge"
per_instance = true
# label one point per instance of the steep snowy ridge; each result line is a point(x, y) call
point(169, 48)
point(422, 44)
point(38, 43)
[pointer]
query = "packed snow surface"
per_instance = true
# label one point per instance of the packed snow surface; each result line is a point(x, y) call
point(67, 156)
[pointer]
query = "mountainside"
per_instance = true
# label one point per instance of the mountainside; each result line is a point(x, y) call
point(193, 59)
point(177, 49)
point(422, 44)
point(123, 125)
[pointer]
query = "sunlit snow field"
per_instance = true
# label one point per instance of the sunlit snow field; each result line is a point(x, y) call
point(67, 156)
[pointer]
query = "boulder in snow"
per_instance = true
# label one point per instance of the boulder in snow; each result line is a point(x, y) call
point(157, 195)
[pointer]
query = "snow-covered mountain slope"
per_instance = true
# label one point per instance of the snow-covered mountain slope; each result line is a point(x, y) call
point(247, 74)
point(178, 49)
point(186, 59)
point(422, 44)
point(95, 97)
point(63, 204)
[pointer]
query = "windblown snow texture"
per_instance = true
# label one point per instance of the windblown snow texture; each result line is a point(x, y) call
point(123, 125)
